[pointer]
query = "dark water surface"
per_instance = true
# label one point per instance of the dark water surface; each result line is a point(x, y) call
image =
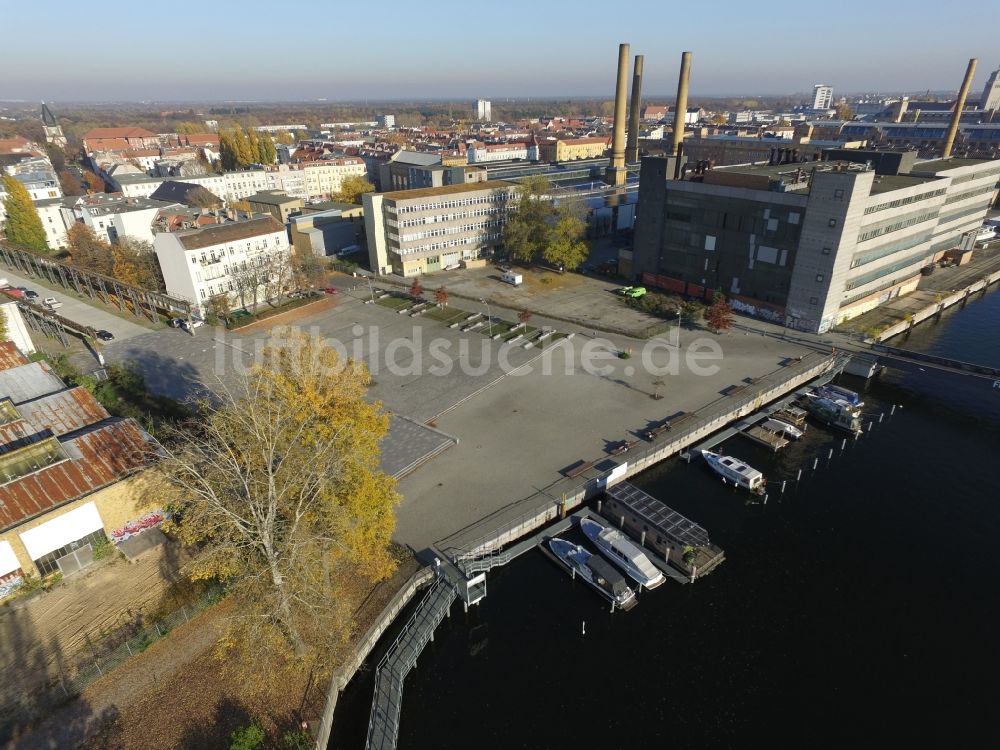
point(858, 609)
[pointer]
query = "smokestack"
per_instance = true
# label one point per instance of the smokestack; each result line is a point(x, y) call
point(632, 144)
point(681, 110)
point(616, 172)
point(963, 92)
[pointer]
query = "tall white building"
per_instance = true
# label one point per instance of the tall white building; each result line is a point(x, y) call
point(483, 110)
point(246, 260)
point(822, 96)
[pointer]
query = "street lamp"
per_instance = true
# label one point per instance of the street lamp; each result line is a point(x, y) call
point(489, 315)
point(370, 288)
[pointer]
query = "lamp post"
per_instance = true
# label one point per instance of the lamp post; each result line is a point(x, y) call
point(489, 315)
point(371, 289)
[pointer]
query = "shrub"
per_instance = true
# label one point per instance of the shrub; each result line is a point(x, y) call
point(250, 737)
point(102, 548)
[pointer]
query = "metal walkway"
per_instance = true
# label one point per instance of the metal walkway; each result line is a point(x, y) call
point(383, 726)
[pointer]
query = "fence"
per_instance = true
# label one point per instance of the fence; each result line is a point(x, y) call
point(547, 505)
point(89, 668)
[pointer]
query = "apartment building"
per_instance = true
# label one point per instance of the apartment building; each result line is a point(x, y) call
point(807, 245)
point(490, 152)
point(246, 260)
point(411, 232)
point(230, 186)
point(571, 149)
point(105, 139)
point(114, 217)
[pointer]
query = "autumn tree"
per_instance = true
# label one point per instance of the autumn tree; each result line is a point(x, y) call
point(416, 288)
point(307, 271)
point(285, 138)
point(23, 226)
point(266, 152)
point(190, 128)
point(720, 315)
point(352, 188)
point(523, 317)
point(844, 111)
point(538, 228)
point(94, 183)
point(277, 483)
point(89, 252)
point(135, 263)
point(441, 296)
point(218, 308)
point(69, 183)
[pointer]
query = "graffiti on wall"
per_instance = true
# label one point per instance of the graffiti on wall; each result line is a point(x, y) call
point(757, 311)
point(129, 530)
point(11, 583)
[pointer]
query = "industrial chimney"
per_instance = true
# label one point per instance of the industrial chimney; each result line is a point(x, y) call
point(632, 144)
point(956, 118)
point(616, 171)
point(681, 109)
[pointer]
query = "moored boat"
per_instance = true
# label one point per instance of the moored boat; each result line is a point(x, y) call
point(735, 471)
point(620, 550)
point(782, 428)
point(836, 393)
point(838, 414)
point(596, 571)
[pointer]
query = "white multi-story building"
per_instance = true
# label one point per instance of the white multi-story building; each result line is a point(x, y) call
point(231, 186)
point(483, 110)
point(50, 211)
point(246, 260)
point(113, 218)
point(411, 232)
point(480, 153)
point(822, 96)
point(386, 121)
point(37, 176)
point(324, 178)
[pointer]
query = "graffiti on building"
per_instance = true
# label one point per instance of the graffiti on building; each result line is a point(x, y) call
point(11, 583)
point(757, 311)
point(129, 530)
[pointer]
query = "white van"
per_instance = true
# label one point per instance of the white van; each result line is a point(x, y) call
point(511, 278)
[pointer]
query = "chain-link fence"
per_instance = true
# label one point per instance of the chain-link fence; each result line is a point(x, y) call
point(98, 660)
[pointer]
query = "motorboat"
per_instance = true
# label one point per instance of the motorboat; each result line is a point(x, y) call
point(736, 471)
point(835, 413)
point(782, 427)
point(836, 393)
point(620, 550)
point(596, 571)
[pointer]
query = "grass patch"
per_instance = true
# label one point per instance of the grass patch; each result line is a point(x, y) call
point(396, 303)
point(445, 315)
point(270, 312)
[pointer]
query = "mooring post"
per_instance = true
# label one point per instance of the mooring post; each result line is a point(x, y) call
point(666, 556)
point(830, 455)
point(892, 410)
point(783, 486)
point(843, 444)
point(642, 540)
point(765, 498)
point(869, 427)
point(583, 628)
point(815, 462)
point(599, 504)
point(621, 522)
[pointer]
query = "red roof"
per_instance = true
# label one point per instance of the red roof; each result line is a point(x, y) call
point(98, 133)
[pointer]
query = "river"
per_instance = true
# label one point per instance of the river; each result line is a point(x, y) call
point(858, 608)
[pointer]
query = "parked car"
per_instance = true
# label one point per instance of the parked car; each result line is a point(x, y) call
point(12, 292)
point(104, 335)
point(176, 322)
point(52, 303)
point(30, 295)
point(187, 325)
point(328, 290)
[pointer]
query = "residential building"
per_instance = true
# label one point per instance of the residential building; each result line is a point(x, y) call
point(37, 176)
point(230, 186)
point(52, 128)
point(571, 149)
point(479, 153)
point(186, 194)
point(323, 178)
point(807, 245)
point(822, 96)
point(114, 217)
point(385, 121)
point(990, 100)
point(483, 110)
point(241, 259)
point(277, 203)
point(70, 474)
point(411, 232)
point(291, 128)
point(654, 112)
point(101, 139)
point(50, 211)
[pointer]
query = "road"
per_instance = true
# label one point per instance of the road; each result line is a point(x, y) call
point(77, 309)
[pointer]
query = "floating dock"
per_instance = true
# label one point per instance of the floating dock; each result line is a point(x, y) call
point(765, 437)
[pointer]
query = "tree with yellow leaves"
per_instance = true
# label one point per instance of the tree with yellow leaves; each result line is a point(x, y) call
point(278, 483)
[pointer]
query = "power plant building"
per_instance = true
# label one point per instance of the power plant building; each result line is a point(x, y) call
point(807, 245)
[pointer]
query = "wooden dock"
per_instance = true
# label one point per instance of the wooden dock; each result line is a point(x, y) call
point(765, 437)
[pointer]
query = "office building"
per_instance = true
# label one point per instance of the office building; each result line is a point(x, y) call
point(411, 232)
point(990, 100)
point(483, 112)
point(807, 245)
point(822, 96)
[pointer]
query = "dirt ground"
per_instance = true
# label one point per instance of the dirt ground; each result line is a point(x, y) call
point(283, 319)
point(42, 636)
point(177, 695)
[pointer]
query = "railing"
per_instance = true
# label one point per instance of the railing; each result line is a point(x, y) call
point(539, 512)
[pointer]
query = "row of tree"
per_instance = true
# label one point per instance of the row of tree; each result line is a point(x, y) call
point(239, 148)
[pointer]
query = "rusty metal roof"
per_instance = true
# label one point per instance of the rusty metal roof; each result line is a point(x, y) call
point(96, 457)
point(10, 355)
point(29, 381)
point(63, 412)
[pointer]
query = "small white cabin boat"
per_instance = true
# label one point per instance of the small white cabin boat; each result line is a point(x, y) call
point(620, 550)
point(782, 428)
point(608, 582)
point(735, 471)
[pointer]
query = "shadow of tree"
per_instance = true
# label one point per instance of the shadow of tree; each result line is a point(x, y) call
point(229, 714)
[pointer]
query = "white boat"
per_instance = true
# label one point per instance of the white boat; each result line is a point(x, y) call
point(596, 571)
point(735, 471)
point(782, 428)
point(620, 550)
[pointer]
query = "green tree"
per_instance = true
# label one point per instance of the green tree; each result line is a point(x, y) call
point(279, 486)
point(844, 111)
point(352, 188)
point(23, 226)
point(227, 151)
point(244, 152)
point(538, 228)
point(250, 737)
point(267, 154)
point(253, 146)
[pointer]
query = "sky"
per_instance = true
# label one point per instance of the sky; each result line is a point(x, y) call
point(393, 49)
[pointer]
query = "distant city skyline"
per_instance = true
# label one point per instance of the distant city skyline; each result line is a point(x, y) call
point(215, 53)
